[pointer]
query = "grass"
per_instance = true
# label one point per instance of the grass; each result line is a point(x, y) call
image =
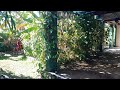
point(18, 66)
point(4, 57)
point(12, 75)
point(24, 57)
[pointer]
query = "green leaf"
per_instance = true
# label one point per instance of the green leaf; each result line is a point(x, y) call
point(27, 37)
point(35, 16)
point(6, 17)
point(1, 17)
point(13, 23)
point(29, 30)
point(28, 20)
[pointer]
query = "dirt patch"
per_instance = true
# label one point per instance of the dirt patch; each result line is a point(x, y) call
point(97, 71)
point(106, 66)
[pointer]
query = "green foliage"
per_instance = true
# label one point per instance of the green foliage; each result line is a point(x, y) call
point(3, 36)
point(93, 33)
point(53, 37)
point(79, 36)
point(29, 27)
point(34, 41)
point(5, 44)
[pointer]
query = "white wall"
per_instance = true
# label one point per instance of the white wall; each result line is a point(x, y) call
point(118, 36)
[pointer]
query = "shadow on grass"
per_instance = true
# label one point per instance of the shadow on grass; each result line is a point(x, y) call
point(10, 75)
point(2, 57)
point(8, 55)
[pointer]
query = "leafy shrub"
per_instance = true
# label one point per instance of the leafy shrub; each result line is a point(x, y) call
point(79, 36)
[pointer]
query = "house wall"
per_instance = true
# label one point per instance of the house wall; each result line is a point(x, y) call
point(111, 40)
point(118, 36)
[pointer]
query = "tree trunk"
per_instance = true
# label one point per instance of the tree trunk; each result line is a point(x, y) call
point(51, 41)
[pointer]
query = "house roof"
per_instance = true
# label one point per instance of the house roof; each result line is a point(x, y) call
point(108, 15)
point(105, 15)
point(102, 12)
